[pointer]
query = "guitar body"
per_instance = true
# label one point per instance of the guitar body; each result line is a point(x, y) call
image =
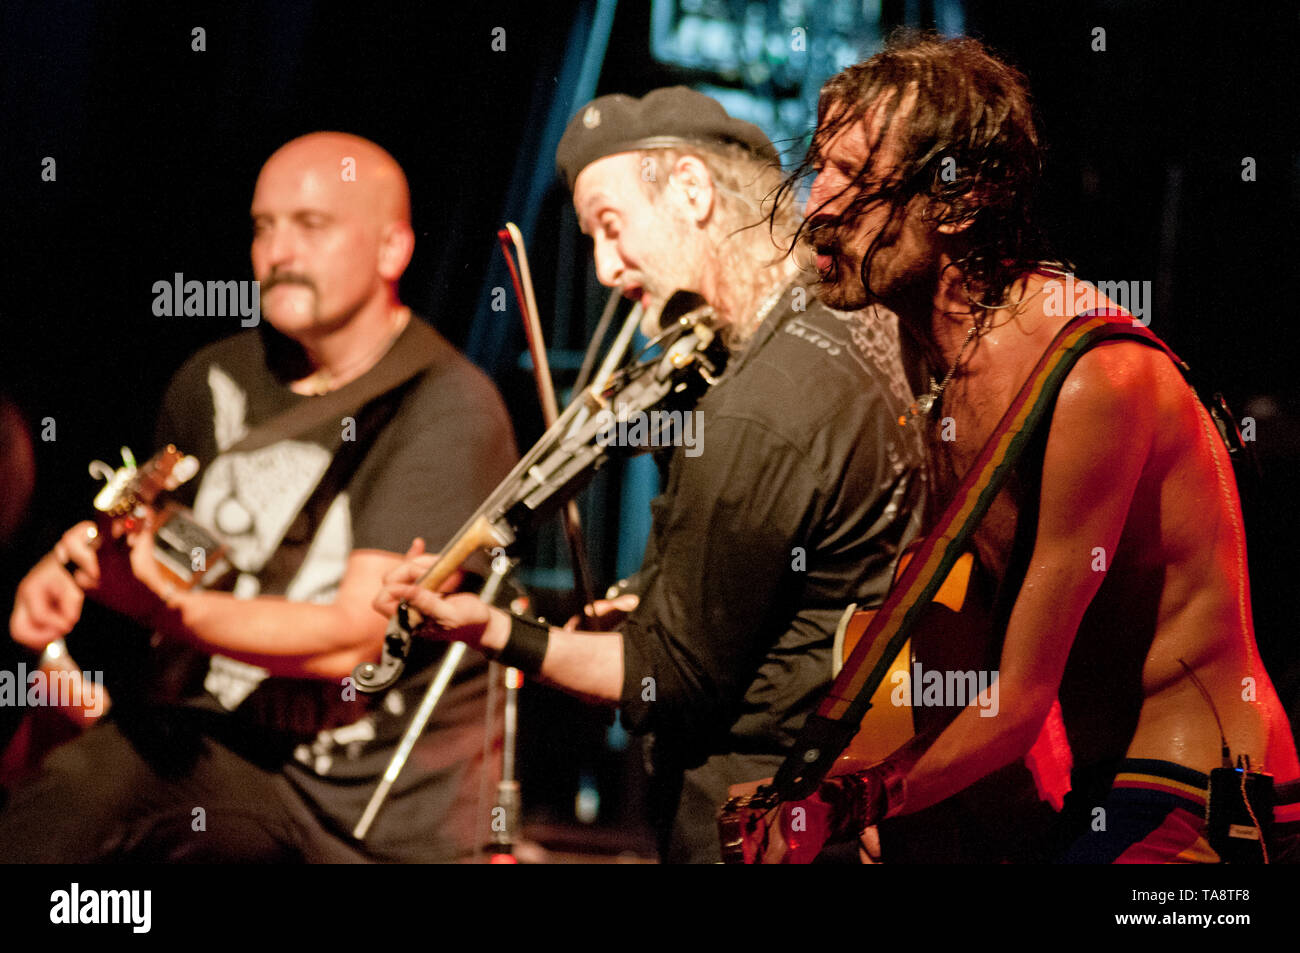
point(952, 634)
point(999, 818)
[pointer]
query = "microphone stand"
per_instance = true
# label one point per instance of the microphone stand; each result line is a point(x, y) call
point(446, 669)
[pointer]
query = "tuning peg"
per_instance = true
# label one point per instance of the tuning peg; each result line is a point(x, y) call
point(184, 471)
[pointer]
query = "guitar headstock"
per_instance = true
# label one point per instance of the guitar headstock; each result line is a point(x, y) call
point(130, 486)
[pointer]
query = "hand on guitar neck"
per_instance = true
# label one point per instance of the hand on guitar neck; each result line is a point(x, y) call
point(112, 562)
point(864, 783)
point(108, 562)
point(110, 559)
point(756, 831)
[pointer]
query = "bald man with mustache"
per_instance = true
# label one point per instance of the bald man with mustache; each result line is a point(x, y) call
point(266, 754)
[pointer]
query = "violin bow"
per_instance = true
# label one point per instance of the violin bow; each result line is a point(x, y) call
point(522, 279)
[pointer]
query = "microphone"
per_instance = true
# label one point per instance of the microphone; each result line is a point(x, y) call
point(680, 304)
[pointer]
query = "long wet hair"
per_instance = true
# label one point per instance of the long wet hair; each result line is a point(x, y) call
point(968, 146)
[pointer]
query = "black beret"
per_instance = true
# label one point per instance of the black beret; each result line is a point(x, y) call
point(666, 118)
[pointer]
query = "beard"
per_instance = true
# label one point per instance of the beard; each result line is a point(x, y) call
point(839, 285)
point(897, 281)
point(664, 266)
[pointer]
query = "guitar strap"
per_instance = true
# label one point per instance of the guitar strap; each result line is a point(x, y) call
point(828, 731)
point(415, 350)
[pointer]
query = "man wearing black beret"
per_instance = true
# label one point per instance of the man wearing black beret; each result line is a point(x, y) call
point(794, 505)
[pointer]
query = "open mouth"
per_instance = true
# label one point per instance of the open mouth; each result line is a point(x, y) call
point(825, 259)
point(822, 237)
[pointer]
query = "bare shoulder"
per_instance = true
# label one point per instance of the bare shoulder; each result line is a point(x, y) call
point(1103, 437)
point(1116, 383)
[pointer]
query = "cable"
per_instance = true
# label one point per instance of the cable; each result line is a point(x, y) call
point(1223, 741)
point(1250, 810)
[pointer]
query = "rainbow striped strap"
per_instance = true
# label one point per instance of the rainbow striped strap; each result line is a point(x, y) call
point(829, 730)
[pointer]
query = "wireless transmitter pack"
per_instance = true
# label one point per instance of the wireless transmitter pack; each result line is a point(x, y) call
point(1239, 816)
point(1239, 812)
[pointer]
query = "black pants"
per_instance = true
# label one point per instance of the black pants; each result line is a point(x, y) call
point(157, 789)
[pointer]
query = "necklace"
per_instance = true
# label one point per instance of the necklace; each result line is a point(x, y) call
point(739, 337)
point(323, 381)
point(922, 406)
point(768, 304)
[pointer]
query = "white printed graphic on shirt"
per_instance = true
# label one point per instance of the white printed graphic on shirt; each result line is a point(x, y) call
point(875, 333)
point(250, 499)
point(872, 344)
point(319, 755)
point(231, 681)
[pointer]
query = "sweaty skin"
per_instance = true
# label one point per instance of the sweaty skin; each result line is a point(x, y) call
point(1133, 470)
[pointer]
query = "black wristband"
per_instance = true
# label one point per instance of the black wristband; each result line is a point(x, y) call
point(526, 647)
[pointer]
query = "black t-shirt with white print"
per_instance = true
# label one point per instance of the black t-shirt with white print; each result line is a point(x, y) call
point(446, 444)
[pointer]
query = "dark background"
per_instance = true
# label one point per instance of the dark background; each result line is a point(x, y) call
point(157, 148)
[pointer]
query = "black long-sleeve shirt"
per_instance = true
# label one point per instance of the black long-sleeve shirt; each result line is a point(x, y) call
point(796, 503)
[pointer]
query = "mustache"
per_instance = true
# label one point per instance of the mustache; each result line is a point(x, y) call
point(823, 232)
point(277, 278)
